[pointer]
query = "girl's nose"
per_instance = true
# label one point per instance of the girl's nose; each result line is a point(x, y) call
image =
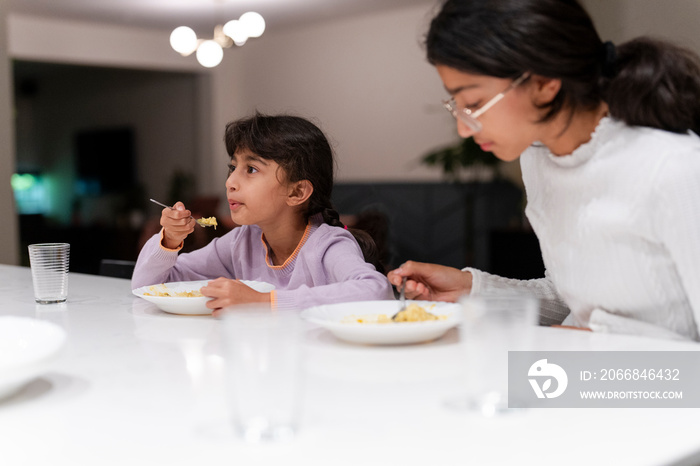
point(231, 184)
point(464, 131)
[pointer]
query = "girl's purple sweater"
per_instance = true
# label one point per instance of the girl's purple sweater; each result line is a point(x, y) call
point(326, 267)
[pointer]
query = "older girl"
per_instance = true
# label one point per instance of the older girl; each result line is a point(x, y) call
point(607, 142)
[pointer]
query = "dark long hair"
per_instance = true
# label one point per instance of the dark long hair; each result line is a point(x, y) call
point(645, 82)
point(301, 149)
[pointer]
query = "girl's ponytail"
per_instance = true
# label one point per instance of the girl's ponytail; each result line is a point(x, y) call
point(331, 217)
point(655, 84)
point(369, 248)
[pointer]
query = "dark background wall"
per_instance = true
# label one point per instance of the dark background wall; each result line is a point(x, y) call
point(454, 224)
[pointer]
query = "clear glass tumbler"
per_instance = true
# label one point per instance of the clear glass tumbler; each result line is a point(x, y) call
point(492, 326)
point(49, 265)
point(264, 372)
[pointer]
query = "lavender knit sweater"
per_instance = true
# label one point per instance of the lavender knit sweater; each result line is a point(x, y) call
point(326, 267)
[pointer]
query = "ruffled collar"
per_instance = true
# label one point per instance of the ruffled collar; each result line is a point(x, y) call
point(585, 151)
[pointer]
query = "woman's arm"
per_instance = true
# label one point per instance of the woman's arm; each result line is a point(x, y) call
point(441, 283)
point(553, 310)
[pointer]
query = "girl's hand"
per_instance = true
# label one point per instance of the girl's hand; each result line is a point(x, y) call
point(226, 292)
point(432, 282)
point(177, 223)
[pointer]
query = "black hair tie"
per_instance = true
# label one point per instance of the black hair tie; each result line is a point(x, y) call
point(609, 59)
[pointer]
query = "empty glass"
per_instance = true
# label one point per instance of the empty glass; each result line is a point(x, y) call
point(49, 264)
point(492, 326)
point(264, 373)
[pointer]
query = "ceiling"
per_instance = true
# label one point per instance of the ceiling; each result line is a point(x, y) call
point(202, 15)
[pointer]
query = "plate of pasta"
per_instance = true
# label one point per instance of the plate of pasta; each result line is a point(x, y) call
point(185, 298)
point(369, 322)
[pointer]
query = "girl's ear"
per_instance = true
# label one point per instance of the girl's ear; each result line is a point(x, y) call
point(299, 192)
point(544, 89)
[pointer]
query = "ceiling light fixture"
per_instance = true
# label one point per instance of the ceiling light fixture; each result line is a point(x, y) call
point(210, 52)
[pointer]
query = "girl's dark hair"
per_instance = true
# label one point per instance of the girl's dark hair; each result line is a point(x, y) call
point(301, 149)
point(645, 82)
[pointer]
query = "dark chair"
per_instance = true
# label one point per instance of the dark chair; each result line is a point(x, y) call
point(117, 268)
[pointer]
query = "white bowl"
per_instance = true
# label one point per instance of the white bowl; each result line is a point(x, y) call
point(190, 305)
point(27, 346)
point(331, 318)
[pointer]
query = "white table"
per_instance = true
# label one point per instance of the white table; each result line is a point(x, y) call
point(137, 386)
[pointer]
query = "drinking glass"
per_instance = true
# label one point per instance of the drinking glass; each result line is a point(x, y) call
point(264, 373)
point(49, 265)
point(492, 326)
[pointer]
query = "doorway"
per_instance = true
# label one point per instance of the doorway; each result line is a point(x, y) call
point(93, 144)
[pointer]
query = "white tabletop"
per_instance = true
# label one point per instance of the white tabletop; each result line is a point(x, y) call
point(137, 386)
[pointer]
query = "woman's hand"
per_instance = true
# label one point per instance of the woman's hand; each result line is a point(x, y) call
point(226, 292)
point(432, 282)
point(177, 223)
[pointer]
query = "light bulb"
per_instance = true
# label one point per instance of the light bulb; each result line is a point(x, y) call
point(209, 54)
point(183, 40)
point(236, 31)
point(254, 23)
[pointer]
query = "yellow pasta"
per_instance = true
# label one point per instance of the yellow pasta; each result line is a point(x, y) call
point(164, 292)
point(412, 313)
point(416, 313)
point(208, 221)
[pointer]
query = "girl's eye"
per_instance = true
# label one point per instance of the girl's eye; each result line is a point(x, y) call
point(231, 168)
point(252, 169)
point(472, 107)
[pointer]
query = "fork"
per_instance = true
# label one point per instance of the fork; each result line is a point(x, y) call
point(402, 298)
point(198, 220)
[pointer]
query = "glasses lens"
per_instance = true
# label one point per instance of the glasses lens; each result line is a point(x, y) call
point(463, 117)
point(469, 121)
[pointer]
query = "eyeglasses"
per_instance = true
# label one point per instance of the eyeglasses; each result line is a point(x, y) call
point(469, 117)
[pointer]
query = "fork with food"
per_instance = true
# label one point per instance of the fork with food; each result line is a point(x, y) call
point(204, 221)
point(178, 223)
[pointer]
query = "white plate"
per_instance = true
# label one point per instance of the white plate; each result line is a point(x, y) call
point(331, 318)
point(27, 346)
point(190, 306)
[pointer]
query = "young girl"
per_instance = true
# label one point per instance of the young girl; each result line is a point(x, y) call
point(278, 188)
point(607, 143)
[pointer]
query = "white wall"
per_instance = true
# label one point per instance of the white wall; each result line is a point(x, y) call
point(61, 41)
point(364, 80)
point(622, 20)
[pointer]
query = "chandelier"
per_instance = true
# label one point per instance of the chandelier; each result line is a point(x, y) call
point(210, 52)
